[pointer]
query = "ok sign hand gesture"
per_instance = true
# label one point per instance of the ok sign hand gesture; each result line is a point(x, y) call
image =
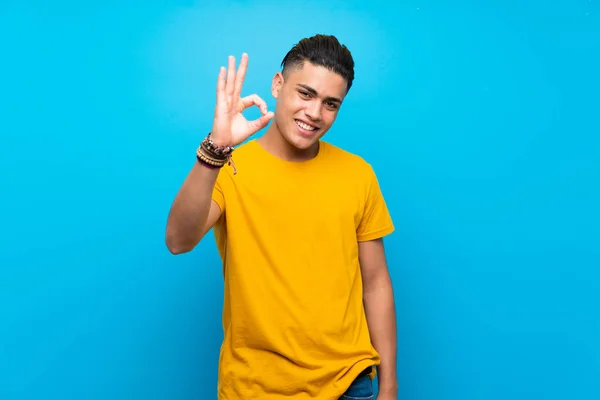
point(230, 127)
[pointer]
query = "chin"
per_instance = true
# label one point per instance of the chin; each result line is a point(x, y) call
point(301, 142)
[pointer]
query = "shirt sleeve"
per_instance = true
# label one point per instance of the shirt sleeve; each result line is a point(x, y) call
point(376, 221)
point(218, 195)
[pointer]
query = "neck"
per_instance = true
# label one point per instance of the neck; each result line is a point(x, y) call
point(274, 142)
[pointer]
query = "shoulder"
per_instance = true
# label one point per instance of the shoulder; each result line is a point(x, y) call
point(243, 158)
point(348, 162)
point(246, 150)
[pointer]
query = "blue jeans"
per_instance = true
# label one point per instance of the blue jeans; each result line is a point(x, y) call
point(360, 389)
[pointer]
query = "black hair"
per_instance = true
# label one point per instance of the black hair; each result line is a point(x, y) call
point(324, 51)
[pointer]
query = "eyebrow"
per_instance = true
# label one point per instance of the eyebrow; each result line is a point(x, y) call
point(314, 93)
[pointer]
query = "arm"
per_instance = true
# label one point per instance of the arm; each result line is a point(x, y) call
point(378, 299)
point(193, 212)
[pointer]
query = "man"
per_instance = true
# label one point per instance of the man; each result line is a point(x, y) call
point(308, 309)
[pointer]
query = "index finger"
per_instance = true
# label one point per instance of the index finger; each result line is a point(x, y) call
point(241, 74)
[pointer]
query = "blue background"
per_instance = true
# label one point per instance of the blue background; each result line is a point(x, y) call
point(482, 120)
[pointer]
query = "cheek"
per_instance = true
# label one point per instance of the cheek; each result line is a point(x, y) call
point(280, 108)
point(329, 117)
point(284, 103)
point(288, 108)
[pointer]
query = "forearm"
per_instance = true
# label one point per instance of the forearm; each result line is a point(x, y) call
point(381, 318)
point(190, 209)
point(192, 213)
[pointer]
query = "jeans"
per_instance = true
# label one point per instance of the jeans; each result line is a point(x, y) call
point(360, 389)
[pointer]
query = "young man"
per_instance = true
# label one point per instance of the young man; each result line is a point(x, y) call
point(309, 308)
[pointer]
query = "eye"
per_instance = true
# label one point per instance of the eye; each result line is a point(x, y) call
point(304, 94)
point(332, 105)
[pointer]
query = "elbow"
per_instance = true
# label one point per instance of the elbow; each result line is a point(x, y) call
point(180, 242)
point(376, 283)
point(176, 247)
point(175, 250)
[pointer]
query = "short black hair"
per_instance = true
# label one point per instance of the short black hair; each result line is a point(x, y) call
point(324, 51)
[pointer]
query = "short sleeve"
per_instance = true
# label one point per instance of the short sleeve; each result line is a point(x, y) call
point(218, 195)
point(376, 221)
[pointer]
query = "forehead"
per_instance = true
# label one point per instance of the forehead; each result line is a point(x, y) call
point(327, 83)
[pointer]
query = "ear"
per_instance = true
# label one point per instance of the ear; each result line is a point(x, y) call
point(277, 84)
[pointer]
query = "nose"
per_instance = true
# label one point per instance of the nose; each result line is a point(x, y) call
point(313, 110)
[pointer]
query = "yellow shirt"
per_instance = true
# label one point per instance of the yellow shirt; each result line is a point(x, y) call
point(293, 318)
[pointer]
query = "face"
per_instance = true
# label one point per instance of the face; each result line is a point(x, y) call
point(308, 101)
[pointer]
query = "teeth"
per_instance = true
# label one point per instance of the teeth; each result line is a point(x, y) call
point(305, 126)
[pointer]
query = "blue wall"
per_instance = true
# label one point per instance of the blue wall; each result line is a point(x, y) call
point(489, 115)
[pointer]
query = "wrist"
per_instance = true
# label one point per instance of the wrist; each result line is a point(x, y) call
point(214, 156)
point(386, 389)
point(219, 140)
point(216, 146)
point(388, 384)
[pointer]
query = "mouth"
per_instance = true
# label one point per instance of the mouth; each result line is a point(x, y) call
point(306, 128)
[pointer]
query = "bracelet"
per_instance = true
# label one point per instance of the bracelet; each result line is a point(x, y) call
point(214, 157)
point(208, 159)
point(206, 164)
point(209, 145)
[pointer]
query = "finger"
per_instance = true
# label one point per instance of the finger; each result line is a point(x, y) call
point(241, 74)
point(221, 85)
point(261, 122)
point(230, 84)
point(254, 99)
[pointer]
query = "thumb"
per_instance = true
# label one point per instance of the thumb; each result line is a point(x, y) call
point(261, 122)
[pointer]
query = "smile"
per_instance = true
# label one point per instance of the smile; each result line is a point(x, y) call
point(305, 126)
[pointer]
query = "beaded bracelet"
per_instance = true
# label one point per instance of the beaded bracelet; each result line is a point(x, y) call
point(213, 157)
point(206, 164)
point(216, 150)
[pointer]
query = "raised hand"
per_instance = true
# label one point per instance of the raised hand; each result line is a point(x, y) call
point(230, 127)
